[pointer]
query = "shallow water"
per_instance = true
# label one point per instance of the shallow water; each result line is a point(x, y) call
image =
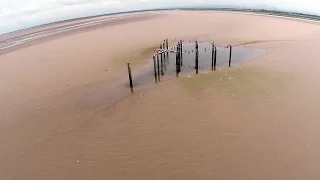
point(168, 71)
point(171, 131)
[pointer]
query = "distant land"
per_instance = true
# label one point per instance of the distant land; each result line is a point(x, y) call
point(251, 10)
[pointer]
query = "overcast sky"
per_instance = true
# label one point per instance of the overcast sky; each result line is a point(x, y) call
point(19, 14)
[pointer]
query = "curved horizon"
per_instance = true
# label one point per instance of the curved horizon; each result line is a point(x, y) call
point(15, 16)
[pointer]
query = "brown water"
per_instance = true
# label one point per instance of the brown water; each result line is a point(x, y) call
point(143, 77)
point(256, 120)
point(168, 68)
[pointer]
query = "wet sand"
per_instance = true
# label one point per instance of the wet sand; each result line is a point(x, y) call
point(255, 121)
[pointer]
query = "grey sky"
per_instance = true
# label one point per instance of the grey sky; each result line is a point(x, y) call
point(19, 14)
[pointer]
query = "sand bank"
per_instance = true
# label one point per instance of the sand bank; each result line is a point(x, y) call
point(261, 124)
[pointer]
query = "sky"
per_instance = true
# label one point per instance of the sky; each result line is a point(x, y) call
point(19, 14)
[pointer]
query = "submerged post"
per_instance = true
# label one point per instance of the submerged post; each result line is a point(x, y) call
point(164, 62)
point(158, 65)
point(161, 59)
point(181, 56)
point(167, 44)
point(212, 58)
point(177, 61)
point(164, 48)
point(230, 56)
point(197, 58)
point(215, 57)
point(130, 77)
point(155, 69)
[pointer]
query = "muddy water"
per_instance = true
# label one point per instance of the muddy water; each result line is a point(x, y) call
point(255, 125)
point(168, 69)
point(144, 76)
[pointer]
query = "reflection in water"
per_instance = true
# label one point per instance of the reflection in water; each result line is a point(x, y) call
point(239, 55)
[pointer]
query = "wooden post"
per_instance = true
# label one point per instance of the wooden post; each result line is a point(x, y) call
point(177, 62)
point(164, 62)
point(167, 43)
point(177, 73)
point(164, 57)
point(163, 47)
point(230, 56)
point(130, 77)
point(161, 59)
point(181, 56)
point(215, 57)
point(197, 58)
point(166, 52)
point(178, 51)
point(158, 64)
point(195, 62)
point(212, 58)
point(155, 69)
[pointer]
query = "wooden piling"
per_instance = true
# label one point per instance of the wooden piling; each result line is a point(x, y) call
point(167, 43)
point(130, 77)
point(215, 57)
point(164, 61)
point(161, 59)
point(155, 69)
point(158, 65)
point(230, 56)
point(197, 62)
point(197, 58)
point(177, 62)
point(181, 55)
point(212, 57)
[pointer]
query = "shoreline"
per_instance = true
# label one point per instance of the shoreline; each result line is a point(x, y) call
point(93, 21)
point(72, 27)
point(249, 11)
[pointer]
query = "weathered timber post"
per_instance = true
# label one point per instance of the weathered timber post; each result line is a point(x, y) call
point(181, 55)
point(164, 61)
point(167, 42)
point(130, 77)
point(215, 57)
point(164, 48)
point(178, 51)
point(155, 69)
point(212, 58)
point(230, 56)
point(161, 59)
point(197, 58)
point(177, 61)
point(158, 65)
point(195, 62)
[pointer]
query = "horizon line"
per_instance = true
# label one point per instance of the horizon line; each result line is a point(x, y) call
point(187, 8)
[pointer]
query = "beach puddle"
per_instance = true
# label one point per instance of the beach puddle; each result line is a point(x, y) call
point(167, 70)
point(144, 77)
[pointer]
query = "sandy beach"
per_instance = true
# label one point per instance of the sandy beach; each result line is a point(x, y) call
point(258, 120)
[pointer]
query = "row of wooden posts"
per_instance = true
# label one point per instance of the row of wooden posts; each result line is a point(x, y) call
point(162, 55)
